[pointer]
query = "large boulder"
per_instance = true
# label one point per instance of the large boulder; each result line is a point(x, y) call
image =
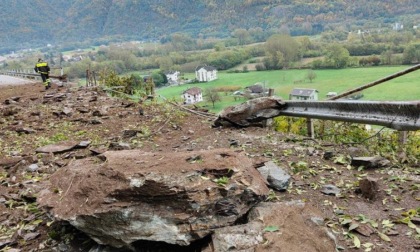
point(125, 196)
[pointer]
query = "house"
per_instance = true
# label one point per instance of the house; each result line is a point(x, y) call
point(205, 73)
point(303, 94)
point(172, 76)
point(397, 26)
point(255, 89)
point(192, 95)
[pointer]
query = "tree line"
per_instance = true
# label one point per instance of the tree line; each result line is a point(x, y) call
point(183, 53)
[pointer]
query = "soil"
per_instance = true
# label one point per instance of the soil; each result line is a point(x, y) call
point(32, 118)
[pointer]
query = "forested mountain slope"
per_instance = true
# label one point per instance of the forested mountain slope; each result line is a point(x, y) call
point(37, 22)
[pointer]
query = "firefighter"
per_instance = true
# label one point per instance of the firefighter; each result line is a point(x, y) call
point(43, 68)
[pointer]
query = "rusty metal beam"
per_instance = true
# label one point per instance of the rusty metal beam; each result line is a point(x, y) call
point(395, 115)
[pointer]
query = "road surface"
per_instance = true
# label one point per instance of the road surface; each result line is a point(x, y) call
point(6, 80)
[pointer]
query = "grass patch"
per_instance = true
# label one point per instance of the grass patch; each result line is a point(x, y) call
point(404, 88)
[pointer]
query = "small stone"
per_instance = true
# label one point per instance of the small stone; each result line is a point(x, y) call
point(370, 162)
point(95, 121)
point(369, 187)
point(328, 155)
point(233, 142)
point(330, 190)
point(415, 220)
point(84, 144)
point(310, 151)
point(32, 168)
point(365, 230)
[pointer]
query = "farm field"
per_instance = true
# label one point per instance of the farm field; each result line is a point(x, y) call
point(404, 88)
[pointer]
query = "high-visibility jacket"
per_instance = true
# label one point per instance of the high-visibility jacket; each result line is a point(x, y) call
point(42, 67)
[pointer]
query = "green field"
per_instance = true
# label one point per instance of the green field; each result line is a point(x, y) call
point(404, 88)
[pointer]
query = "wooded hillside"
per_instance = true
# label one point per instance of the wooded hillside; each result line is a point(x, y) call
point(29, 24)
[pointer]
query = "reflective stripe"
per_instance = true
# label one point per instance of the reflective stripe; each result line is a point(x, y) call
point(41, 64)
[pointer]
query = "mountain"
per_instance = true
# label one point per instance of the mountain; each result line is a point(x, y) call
point(26, 24)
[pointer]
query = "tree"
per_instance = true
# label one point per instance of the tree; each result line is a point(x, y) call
point(182, 42)
point(242, 35)
point(311, 75)
point(211, 95)
point(411, 54)
point(282, 50)
point(337, 56)
point(159, 78)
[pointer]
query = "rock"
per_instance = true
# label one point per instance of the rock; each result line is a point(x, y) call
point(369, 187)
point(25, 130)
point(93, 98)
point(98, 151)
point(32, 168)
point(83, 110)
point(233, 143)
point(328, 155)
point(35, 113)
point(276, 177)
point(365, 229)
point(251, 112)
point(391, 232)
point(100, 112)
point(296, 230)
point(57, 148)
point(102, 248)
point(30, 236)
point(95, 121)
point(356, 151)
point(330, 190)
point(370, 162)
point(415, 220)
point(119, 146)
point(10, 111)
point(130, 133)
point(67, 111)
point(84, 144)
point(238, 238)
point(155, 197)
point(310, 151)
point(14, 153)
point(9, 162)
point(12, 100)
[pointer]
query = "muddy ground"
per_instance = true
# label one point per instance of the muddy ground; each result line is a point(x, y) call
point(32, 117)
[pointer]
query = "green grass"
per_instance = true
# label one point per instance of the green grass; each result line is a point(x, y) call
point(404, 88)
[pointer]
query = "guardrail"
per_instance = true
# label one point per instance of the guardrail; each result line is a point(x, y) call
point(32, 75)
point(395, 115)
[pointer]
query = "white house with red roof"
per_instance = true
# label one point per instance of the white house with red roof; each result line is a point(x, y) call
point(192, 95)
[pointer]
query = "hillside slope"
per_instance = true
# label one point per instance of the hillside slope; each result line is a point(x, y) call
point(30, 24)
